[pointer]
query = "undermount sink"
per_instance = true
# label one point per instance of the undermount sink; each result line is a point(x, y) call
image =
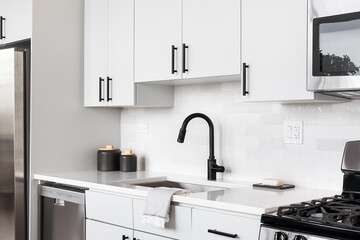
point(193, 188)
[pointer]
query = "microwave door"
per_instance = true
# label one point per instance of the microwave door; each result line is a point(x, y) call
point(334, 49)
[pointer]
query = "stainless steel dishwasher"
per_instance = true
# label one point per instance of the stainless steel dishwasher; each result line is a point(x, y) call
point(62, 212)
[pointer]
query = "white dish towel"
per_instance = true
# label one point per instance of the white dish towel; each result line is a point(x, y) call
point(157, 207)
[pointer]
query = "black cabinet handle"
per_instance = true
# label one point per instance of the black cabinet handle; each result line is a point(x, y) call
point(222, 233)
point(108, 89)
point(2, 19)
point(124, 237)
point(101, 80)
point(184, 58)
point(173, 49)
point(245, 67)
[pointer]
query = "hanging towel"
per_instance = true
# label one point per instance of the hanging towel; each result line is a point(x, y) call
point(157, 206)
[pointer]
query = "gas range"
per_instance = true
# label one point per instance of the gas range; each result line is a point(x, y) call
point(336, 217)
point(330, 218)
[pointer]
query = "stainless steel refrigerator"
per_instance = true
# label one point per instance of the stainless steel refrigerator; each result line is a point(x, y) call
point(14, 135)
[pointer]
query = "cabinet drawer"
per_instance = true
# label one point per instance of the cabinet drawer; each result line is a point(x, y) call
point(97, 230)
point(178, 227)
point(246, 228)
point(147, 236)
point(109, 208)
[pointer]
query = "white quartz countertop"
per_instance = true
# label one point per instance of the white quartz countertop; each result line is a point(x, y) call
point(238, 197)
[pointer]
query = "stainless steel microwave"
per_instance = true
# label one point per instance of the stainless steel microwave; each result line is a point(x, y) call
point(334, 47)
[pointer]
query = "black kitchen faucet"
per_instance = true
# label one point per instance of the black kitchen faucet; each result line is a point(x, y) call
point(213, 168)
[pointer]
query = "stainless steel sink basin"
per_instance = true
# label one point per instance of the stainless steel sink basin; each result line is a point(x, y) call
point(193, 188)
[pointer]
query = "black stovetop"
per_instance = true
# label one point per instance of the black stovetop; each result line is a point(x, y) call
point(337, 216)
point(340, 210)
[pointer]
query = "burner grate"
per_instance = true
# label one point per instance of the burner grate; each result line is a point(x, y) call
point(340, 210)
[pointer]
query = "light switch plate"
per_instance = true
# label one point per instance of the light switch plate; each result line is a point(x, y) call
point(293, 132)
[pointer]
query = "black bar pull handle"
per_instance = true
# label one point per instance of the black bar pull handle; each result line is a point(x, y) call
point(245, 67)
point(108, 89)
point(125, 237)
point(222, 233)
point(101, 80)
point(2, 19)
point(184, 58)
point(173, 49)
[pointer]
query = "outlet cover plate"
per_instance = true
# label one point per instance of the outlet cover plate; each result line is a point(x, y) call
point(293, 132)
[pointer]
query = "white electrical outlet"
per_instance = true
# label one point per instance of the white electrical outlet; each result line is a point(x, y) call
point(293, 132)
point(142, 128)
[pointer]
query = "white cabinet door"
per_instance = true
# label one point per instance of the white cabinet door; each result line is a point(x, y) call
point(95, 52)
point(147, 236)
point(179, 226)
point(17, 24)
point(214, 226)
point(97, 231)
point(120, 53)
point(109, 208)
point(274, 47)
point(157, 28)
point(211, 31)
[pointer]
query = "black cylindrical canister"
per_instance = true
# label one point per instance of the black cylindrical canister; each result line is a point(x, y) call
point(128, 161)
point(108, 159)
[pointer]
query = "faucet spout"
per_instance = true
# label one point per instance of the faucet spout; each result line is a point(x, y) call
point(213, 168)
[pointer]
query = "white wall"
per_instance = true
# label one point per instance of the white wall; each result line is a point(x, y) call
point(64, 135)
point(248, 137)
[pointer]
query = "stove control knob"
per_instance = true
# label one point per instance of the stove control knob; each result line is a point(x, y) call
point(280, 236)
point(300, 237)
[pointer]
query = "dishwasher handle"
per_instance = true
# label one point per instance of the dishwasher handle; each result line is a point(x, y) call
point(62, 195)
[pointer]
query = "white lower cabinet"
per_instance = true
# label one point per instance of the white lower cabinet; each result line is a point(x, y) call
point(113, 216)
point(147, 236)
point(98, 230)
point(110, 208)
point(179, 226)
point(211, 225)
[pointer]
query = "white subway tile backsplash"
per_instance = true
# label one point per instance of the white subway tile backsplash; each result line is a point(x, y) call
point(248, 136)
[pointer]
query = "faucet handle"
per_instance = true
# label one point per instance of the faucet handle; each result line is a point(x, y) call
point(215, 167)
point(220, 169)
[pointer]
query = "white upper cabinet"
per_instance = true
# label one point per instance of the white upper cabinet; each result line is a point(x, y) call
point(274, 50)
point(274, 36)
point(15, 20)
point(157, 39)
point(95, 51)
point(108, 53)
point(109, 59)
point(211, 33)
point(183, 39)
point(120, 53)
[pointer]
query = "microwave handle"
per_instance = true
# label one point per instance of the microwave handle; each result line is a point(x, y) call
point(245, 66)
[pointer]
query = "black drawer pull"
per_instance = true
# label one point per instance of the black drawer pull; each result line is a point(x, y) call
point(184, 58)
point(101, 80)
point(245, 67)
point(173, 49)
point(2, 19)
point(108, 89)
point(222, 233)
